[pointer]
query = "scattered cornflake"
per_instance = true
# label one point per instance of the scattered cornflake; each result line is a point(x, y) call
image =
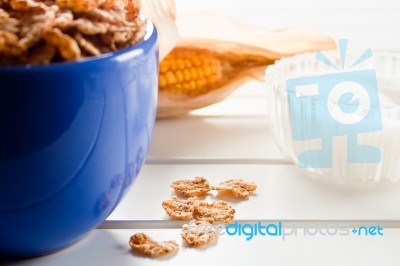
point(219, 211)
point(237, 187)
point(145, 245)
point(189, 188)
point(181, 209)
point(198, 233)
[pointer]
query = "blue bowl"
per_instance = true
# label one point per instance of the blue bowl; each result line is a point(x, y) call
point(73, 137)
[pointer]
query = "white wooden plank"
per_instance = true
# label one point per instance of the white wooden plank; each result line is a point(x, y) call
point(252, 88)
point(248, 99)
point(188, 137)
point(110, 247)
point(284, 193)
point(237, 107)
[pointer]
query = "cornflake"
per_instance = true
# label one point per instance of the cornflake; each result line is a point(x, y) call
point(199, 233)
point(237, 187)
point(180, 208)
point(219, 211)
point(190, 188)
point(145, 245)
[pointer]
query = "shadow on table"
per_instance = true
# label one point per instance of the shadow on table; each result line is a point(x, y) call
point(94, 249)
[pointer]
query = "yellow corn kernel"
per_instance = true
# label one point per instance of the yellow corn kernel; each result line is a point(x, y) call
point(180, 64)
point(186, 74)
point(211, 79)
point(164, 66)
point(162, 81)
point(186, 86)
point(170, 78)
point(207, 70)
point(200, 83)
point(179, 76)
point(200, 73)
point(193, 73)
point(196, 61)
point(192, 84)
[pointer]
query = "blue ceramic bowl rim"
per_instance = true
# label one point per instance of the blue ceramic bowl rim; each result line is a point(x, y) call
point(145, 44)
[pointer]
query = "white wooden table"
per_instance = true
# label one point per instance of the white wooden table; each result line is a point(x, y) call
point(233, 140)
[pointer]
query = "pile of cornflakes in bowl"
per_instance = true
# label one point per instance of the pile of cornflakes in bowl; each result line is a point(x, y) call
point(48, 31)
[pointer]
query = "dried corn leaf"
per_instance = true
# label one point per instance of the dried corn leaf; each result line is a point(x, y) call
point(237, 52)
point(161, 13)
point(283, 42)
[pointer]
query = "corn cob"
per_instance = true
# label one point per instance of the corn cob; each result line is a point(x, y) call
point(200, 72)
point(191, 72)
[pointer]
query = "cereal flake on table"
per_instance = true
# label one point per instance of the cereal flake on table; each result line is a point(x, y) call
point(189, 188)
point(145, 245)
point(238, 187)
point(199, 233)
point(181, 209)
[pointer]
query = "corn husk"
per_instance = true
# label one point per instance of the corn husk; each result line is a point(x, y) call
point(231, 41)
point(162, 14)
